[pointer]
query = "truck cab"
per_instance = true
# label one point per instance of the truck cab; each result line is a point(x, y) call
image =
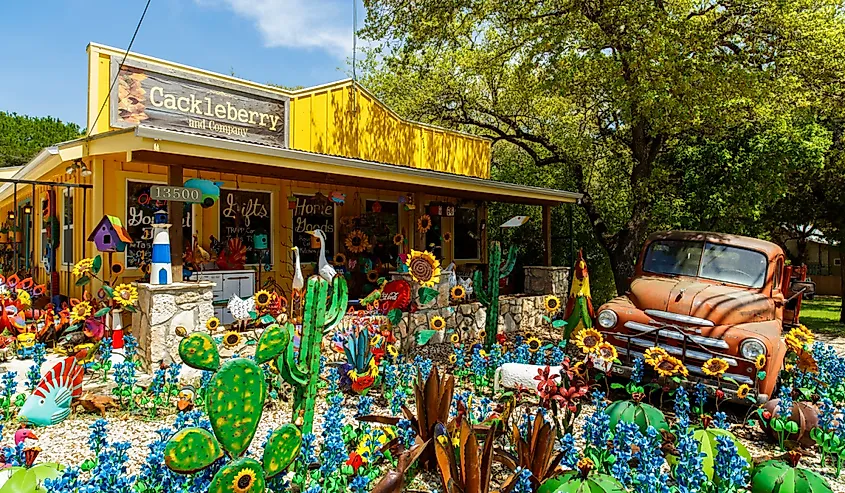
point(700, 295)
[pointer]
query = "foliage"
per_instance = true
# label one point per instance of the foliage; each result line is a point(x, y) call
point(612, 99)
point(22, 137)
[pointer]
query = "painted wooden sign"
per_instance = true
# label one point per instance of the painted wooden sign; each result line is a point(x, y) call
point(165, 97)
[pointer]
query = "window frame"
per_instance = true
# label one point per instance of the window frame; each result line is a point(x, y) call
point(68, 193)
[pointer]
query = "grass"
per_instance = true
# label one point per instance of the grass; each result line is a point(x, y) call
point(821, 315)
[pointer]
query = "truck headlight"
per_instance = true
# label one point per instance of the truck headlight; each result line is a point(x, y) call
point(607, 319)
point(752, 348)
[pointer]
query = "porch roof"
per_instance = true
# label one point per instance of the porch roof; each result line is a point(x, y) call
point(154, 145)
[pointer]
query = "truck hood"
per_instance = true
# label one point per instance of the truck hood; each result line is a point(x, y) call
point(722, 305)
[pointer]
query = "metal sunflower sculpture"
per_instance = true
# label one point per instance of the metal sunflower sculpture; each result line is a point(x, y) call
point(398, 239)
point(232, 339)
point(340, 259)
point(458, 293)
point(424, 268)
point(424, 223)
point(357, 241)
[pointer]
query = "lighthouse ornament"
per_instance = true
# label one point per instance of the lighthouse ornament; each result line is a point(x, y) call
point(160, 272)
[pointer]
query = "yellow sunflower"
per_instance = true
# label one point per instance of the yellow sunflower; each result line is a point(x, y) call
point(424, 268)
point(81, 311)
point(125, 294)
point(715, 367)
point(453, 358)
point(742, 391)
point(398, 239)
point(117, 269)
point(458, 293)
point(607, 351)
point(24, 298)
point(799, 337)
point(262, 299)
point(653, 355)
point(340, 259)
point(552, 304)
point(357, 241)
point(447, 237)
point(760, 362)
point(372, 275)
point(482, 334)
point(437, 323)
point(455, 338)
point(669, 366)
point(534, 344)
point(212, 324)
point(424, 223)
point(83, 266)
point(244, 481)
point(589, 340)
point(231, 339)
point(392, 351)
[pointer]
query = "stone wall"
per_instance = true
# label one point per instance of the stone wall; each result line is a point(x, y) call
point(162, 308)
point(540, 280)
point(516, 313)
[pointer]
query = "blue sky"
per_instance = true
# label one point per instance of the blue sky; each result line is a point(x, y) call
point(292, 42)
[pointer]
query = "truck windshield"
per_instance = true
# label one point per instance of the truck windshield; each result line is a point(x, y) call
point(722, 263)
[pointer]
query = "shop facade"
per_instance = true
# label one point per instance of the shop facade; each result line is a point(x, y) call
point(280, 163)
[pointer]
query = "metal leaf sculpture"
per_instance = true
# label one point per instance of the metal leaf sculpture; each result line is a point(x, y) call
point(393, 480)
point(468, 470)
point(535, 452)
point(775, 476)
point(433, 401)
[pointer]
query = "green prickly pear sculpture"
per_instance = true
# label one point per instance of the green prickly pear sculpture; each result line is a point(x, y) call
point(235, 402)
point(489, 297)
point(302, 369)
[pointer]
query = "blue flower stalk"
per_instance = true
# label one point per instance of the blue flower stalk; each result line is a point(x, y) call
point(333, 449)
point(730, 470)
point(33, 376)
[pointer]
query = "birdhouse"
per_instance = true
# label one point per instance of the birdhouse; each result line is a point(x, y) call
point(110, 235)
point(259, 241)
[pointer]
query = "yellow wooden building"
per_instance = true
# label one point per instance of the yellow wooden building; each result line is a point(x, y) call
point(275, 153)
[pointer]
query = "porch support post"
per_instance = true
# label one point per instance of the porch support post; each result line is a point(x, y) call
point(174, 216)
point(547, 235)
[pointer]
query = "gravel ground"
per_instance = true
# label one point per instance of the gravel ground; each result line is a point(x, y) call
point(66, 442)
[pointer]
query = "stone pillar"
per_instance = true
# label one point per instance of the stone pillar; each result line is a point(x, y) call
point(162, 308)
point(541, 280)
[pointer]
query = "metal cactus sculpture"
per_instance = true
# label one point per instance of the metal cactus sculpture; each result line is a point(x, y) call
point(489, 297)
point(301, 368)
point(235, 402)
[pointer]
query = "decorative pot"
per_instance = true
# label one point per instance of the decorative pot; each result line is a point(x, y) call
point(803, 413)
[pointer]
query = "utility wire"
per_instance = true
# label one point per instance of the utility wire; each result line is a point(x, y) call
point(125, 54)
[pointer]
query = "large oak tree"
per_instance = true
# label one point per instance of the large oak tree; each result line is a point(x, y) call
point(605, 90)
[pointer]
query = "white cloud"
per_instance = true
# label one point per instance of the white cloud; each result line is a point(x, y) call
point(320, 24)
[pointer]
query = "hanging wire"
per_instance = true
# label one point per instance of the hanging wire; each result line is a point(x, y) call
point(125, 54)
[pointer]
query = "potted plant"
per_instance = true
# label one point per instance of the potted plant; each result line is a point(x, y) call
point(4, 235)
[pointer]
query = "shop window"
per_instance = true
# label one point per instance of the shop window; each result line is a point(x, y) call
point(434, 237)
point(245, 214)
point(43, 245)
point(67, 227)
point(381, 222)
point(467, 234)
point(312, 212)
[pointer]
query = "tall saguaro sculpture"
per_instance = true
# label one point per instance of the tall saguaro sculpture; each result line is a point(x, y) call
point(302, 369)
point(489, 296)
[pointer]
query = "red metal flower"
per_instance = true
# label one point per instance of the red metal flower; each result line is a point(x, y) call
point(569, 397)
point(546, 386)
point(720, 394)
point(378, 354)
point(767, 415)
point(355, 460)
point(361, 384)
point(501, 339)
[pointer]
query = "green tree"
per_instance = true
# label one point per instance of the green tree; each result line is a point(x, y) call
point(22, 137)
point(608, 92)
